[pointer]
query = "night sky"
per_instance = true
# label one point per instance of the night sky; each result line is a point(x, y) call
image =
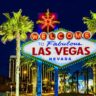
point(70, 13)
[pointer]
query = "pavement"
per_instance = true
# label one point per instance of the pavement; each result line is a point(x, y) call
point(52, 94)
point(30, 94)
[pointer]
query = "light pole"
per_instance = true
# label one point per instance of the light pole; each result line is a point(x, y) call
point(34, 80)
point(45, 82)
point(25, 74)
point(11, 89)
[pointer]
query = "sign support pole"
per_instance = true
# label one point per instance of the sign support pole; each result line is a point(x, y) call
point(56, 81)
point(39, 78)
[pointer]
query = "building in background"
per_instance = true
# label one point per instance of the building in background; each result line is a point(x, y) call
point(26, 75)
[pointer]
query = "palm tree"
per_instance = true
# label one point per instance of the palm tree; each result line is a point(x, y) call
point(16, 27)
point(91, 22)
point(76, 74)
point(64, 73)
point(92, 63)
point(71, 81)
point(86, 72)
point(91, 25)
point(31, 63)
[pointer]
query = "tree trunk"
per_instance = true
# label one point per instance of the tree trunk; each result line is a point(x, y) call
point(94, 79)
point(17, 63)
point(64, 84)
point(34, 81)
point(77, 83)
point(87, 81)
point(72, 84)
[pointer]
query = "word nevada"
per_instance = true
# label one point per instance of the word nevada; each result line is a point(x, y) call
point(61, 35)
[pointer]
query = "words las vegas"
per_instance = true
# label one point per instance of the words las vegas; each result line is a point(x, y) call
point(65, 50)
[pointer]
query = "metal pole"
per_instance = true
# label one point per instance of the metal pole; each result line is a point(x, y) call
point(56, 81)
point(39, 78)
point(11, 89)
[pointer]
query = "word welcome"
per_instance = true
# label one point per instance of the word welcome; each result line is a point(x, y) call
point(61, 35)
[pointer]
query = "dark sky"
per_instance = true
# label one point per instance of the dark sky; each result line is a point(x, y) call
point(70, 13)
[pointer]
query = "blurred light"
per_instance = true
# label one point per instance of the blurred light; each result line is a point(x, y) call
point(34, 68)
point(25, 71)
point(45, 80)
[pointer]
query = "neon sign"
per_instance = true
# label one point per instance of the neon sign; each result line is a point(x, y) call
point(61, 50)
point(69, 35)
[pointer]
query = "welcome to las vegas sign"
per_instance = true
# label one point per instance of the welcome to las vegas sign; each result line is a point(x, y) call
point(60, 52)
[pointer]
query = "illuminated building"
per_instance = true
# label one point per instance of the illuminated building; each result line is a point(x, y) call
point(26, 72)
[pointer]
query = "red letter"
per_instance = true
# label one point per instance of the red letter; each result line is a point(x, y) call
point(60, 36)
point(65, 50)
point(78, 34)
point(69, 35)
point(52, 36)
point(72, 50)
point(41, 51)
point(43, 36)
point(33, 51)
point(87, 51)
point(58, 51)
point(48, 51)
point(87, 35)
point(34, 36)
point(80, 51)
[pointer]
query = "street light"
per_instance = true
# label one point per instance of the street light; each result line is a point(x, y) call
point(25, 73)
point(33, 68)
point(34, 79)
point(11, 89)
point(45, 80)
point(52, 82)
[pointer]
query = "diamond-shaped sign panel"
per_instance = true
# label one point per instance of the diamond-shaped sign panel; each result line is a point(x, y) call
point(60, 52)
